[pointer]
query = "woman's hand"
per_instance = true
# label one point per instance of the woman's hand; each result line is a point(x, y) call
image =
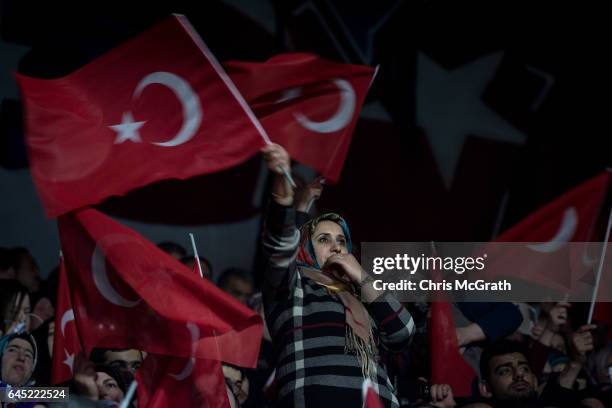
point(345, 265)
point(278, 161)
point(582, 343)
point(307, 194)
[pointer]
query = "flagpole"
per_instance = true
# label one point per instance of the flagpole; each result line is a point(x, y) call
point(374, 76)
point(312, 200)
point(195, 253)
point(230, 86)
point(128, 396)
point(197, 257)
point(600, 268)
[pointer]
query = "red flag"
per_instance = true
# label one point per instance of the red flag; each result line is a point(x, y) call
point(370, 397)
point(572, 217)
point(307, 104)
point(127, 293)
point(445, 352)
point(66, 342)
point(167, 381)
point(157, 107)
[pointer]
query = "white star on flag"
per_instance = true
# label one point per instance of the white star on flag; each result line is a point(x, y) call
point(128, 129)
point(69, 361)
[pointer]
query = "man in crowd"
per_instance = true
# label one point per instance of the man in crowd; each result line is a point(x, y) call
point(126, 361)
point(238, 283)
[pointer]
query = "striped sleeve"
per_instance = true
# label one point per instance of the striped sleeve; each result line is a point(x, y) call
point(395, 324)
point(280, 245)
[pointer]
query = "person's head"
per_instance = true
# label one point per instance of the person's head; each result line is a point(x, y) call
point(322, 237)
point(26, 269)
point(506, 373)
point(42, 307)
point(255, 302)
point(172, 248)
point(14, 307)
point(126, 361)
point(19, 357)
point(599, 365)
point(238, 283)
point(207, 270)
point(7, 269)
point(110, 383)
point(42, 310)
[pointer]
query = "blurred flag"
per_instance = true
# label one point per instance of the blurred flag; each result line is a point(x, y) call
point(157, 107)
point(307, 104)
point(127, 293)
point(370, 396)
point(165, 381)
point(66, 342)
point(445, 352)
point(546, 258)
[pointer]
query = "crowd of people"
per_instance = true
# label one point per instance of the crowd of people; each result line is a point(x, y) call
point(327, 330)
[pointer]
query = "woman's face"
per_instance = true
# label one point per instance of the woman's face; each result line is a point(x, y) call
point(28, 273)
point(22, 305)
point(328, 239)
point(108, 388)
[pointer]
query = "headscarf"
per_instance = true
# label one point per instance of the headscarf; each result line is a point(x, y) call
point(4, 342)
point(359, 338)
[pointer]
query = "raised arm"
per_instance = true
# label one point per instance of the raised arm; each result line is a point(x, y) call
point(280, 236)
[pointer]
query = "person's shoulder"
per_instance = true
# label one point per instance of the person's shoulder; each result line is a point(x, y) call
point(477, 405)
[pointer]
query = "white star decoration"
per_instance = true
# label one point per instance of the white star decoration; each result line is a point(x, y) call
point(128, 129)
point(69, 361)
point(449, 109)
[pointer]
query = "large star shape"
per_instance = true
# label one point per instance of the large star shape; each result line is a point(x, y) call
point(449, 108)
point(127, 129)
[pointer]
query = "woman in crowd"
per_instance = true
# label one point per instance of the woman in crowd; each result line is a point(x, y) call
point(326, 319)
point(14, 308)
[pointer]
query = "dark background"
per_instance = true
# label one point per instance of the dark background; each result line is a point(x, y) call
point(481, 113)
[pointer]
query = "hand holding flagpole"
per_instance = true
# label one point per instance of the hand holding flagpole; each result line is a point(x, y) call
point(278, 161)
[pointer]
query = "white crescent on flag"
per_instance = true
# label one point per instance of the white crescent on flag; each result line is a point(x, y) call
point(565, 233)
point(102, 283)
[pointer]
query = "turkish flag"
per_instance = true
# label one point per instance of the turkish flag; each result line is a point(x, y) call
point(157, 107)
point(307, 104)
point(445, 352)
point(165, 381)
point(546, 258)
point(127, 293)
point(370, 397)
point(66, 342)
point(571, 216)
